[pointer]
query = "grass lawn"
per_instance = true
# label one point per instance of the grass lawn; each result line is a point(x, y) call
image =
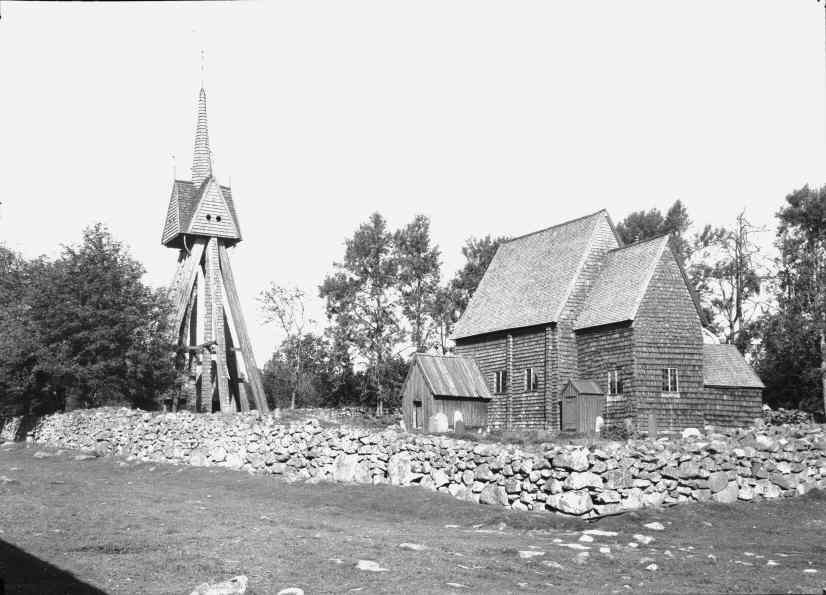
point(108, 526)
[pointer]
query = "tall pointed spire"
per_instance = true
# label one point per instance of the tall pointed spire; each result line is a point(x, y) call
point(202, 161)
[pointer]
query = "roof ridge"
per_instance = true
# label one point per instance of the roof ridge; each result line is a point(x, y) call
point(556, 225)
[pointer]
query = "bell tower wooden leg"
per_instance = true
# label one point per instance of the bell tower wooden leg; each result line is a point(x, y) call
point(241, 330)
point(222, 374)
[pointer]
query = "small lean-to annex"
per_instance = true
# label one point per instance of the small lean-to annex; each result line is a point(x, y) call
point(448, 385)
point(571, 303)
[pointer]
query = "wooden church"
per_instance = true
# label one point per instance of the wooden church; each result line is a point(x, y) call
point(214, 350)
point(568, 322)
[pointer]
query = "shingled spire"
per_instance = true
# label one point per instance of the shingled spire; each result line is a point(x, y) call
point(202, 161)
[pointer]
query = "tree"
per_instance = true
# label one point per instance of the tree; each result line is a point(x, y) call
point(645, 225)
point(92, 333)
point(418, 278)
point(725, 268)
point(363, 301)
point(286, 307)
point(308, 387)
point(801, 240)
point(478, 253)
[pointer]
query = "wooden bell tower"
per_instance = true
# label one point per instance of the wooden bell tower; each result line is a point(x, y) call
point(214, 349)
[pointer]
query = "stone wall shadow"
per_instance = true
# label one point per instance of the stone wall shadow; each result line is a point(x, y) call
point(24, 574)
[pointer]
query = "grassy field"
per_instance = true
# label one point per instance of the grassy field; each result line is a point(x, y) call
point(111, 526)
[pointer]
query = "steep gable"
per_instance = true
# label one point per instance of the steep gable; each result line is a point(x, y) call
point(531, 278)
point(618, 291)
point(212, 217)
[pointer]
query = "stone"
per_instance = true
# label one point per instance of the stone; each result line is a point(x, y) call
point(85, 457)
point(617, 479)
point(234, 461)
point(643, 539)
point(717, 481)
point(42, 454)
point(528, 554)
point(513, 486)
point(746, 492)
point(370, 566)
point(654, 526)
point(234, 586)
point(493, 494)
point(573, 502)
point(291, 591)
point(552, 486)
point(439, 477)
point(218, 454)
point(785, 482)
point(344, 467)
point(483, 473)
point(689, 433)
point(579, 480)
point(399, 469)
point(727, 495)
point(575, 460)
point(413, 547)
point(688, 470)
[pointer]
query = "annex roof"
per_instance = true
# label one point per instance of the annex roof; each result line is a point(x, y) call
point(723, 365)
point(530, 278)
point(618, 291)
point(452, 376)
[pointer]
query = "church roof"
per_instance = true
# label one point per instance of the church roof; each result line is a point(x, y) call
point(530, 278)
point(618, 291)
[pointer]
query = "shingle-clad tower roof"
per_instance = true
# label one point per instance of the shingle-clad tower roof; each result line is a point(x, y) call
point(202, 161)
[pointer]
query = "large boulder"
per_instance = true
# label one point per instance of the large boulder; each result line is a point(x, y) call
point(575, 460)
point(576, 502)
point(579, 480)
point(717, 481)
point(344, 467)
point(728, 494)
point(493, 494)
point(399, 469)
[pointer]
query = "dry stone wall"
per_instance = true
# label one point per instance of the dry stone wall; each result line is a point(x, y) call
point(603, 478)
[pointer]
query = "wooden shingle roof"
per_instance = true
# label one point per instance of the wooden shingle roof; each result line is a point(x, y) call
point(618, 291)
point(724, 366)
point(530, 278)
point(450, 376)
point(182, 206)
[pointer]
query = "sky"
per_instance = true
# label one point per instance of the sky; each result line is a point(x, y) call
point(489, 117)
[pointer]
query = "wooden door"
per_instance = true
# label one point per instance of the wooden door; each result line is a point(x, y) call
point(570, 412)
point(417, 414)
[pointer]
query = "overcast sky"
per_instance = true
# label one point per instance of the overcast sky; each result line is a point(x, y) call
point(490, 117)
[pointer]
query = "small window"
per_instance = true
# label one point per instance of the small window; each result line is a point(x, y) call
point(614, 383)
point(531, 380)
point(500, 381)
point(218, 218)
point(209, 217)
point(671, 382)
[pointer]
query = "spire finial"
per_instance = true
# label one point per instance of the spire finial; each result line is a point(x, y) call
point(203, 59)
point(202, 161)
